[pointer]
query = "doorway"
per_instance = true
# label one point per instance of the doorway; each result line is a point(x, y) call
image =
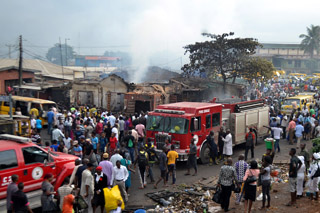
point(142, 106)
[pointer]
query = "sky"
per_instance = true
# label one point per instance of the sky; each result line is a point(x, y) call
point(154, 32)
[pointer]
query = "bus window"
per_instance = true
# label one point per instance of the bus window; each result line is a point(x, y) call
point(208, 121)
point(215, 119)
point(195, 124)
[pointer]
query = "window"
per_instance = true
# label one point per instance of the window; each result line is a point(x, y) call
point(208, 121)
point(176, 125)
point(297, 63)
point(155, 123)
point(289, 61)
point(34, 155)
point(23, 106)
point(35, 105)
point(215, 119)
point(8, 159)
point(195, 124)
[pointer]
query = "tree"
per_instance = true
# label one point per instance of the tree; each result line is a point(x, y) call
point(220, 55)
point(258, 69)
point(54, 54)
point(311, 41)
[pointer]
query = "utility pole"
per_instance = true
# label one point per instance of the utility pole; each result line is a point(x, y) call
point(9, 46)
point(61, 58)
point(66, 50)
point(20, 62)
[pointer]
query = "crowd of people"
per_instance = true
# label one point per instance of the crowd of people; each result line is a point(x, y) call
point(301, 124)
point(111, 146)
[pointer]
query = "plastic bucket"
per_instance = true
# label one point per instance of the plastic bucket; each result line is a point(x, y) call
point(268, 144)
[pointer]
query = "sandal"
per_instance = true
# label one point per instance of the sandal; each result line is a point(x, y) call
point(261, 208)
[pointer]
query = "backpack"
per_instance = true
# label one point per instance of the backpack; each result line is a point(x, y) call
point(142, 159)
point(317, 173)
point(130, 143)
point(249, 141)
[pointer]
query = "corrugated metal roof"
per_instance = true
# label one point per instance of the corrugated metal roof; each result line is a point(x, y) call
point(38, 66)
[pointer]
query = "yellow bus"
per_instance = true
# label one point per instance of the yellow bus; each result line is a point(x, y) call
point(299, 75)
point(28, 106)
point(298, 101)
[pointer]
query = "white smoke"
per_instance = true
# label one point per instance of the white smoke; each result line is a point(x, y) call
point(167, 26)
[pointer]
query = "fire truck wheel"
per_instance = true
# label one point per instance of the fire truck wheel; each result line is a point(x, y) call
point(205, 154)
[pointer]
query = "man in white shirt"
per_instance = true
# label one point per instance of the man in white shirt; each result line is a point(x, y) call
point(33, 122)
point(284, 125)
point(87, 186)
point(56, 134)
point(277, 131)
point(116, 157)
point(227, 147)
point(119, 176)
point(112, 120)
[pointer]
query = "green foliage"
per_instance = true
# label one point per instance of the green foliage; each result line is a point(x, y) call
point(258, 69)
point(219, 55)
point(311, 41)
point(316, 145)
point(54, 54)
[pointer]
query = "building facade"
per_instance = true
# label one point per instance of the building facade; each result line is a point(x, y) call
point(289, 57)
point(10, 77)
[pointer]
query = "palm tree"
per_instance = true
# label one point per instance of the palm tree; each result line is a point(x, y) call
point(311, 41)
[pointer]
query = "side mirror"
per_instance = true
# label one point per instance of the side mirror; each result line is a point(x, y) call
point(196, 123)
point(45, 162)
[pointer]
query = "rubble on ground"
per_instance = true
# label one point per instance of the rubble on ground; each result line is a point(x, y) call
point(198, 197)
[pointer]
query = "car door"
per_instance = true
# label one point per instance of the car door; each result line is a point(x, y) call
point(36, 164)
point(9, 166)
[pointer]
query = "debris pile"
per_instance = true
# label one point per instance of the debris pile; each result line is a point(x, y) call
point(185, 199)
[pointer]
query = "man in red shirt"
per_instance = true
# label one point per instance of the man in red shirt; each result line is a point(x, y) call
point(250, 138)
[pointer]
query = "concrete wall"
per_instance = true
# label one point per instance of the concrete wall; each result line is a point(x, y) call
point(130, 101)
point(111, 87)
point(107, 93)
point(85, 87)
point(12, 75)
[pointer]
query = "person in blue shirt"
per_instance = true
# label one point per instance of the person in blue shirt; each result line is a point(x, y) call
point(38, 124)
point(95, 142)
point(102, 142)
point(50, 117)
point(299, 130)
point(54, 145)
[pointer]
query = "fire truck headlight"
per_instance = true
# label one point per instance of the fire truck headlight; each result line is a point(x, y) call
point(176, 144)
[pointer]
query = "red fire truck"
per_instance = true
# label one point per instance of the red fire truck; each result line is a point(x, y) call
point(18, 155)
point(179, 122)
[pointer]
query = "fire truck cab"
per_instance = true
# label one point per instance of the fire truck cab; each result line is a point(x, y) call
point(179, 122)
point(18, 155)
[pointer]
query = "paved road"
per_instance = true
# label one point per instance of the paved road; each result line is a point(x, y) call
point(137, 196)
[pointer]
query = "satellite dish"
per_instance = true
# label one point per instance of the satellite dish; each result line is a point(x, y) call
point(196, 139)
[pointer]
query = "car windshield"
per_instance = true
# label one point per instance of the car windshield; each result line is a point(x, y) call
point(155, 123)
point(168, 124)
point(290, 101)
